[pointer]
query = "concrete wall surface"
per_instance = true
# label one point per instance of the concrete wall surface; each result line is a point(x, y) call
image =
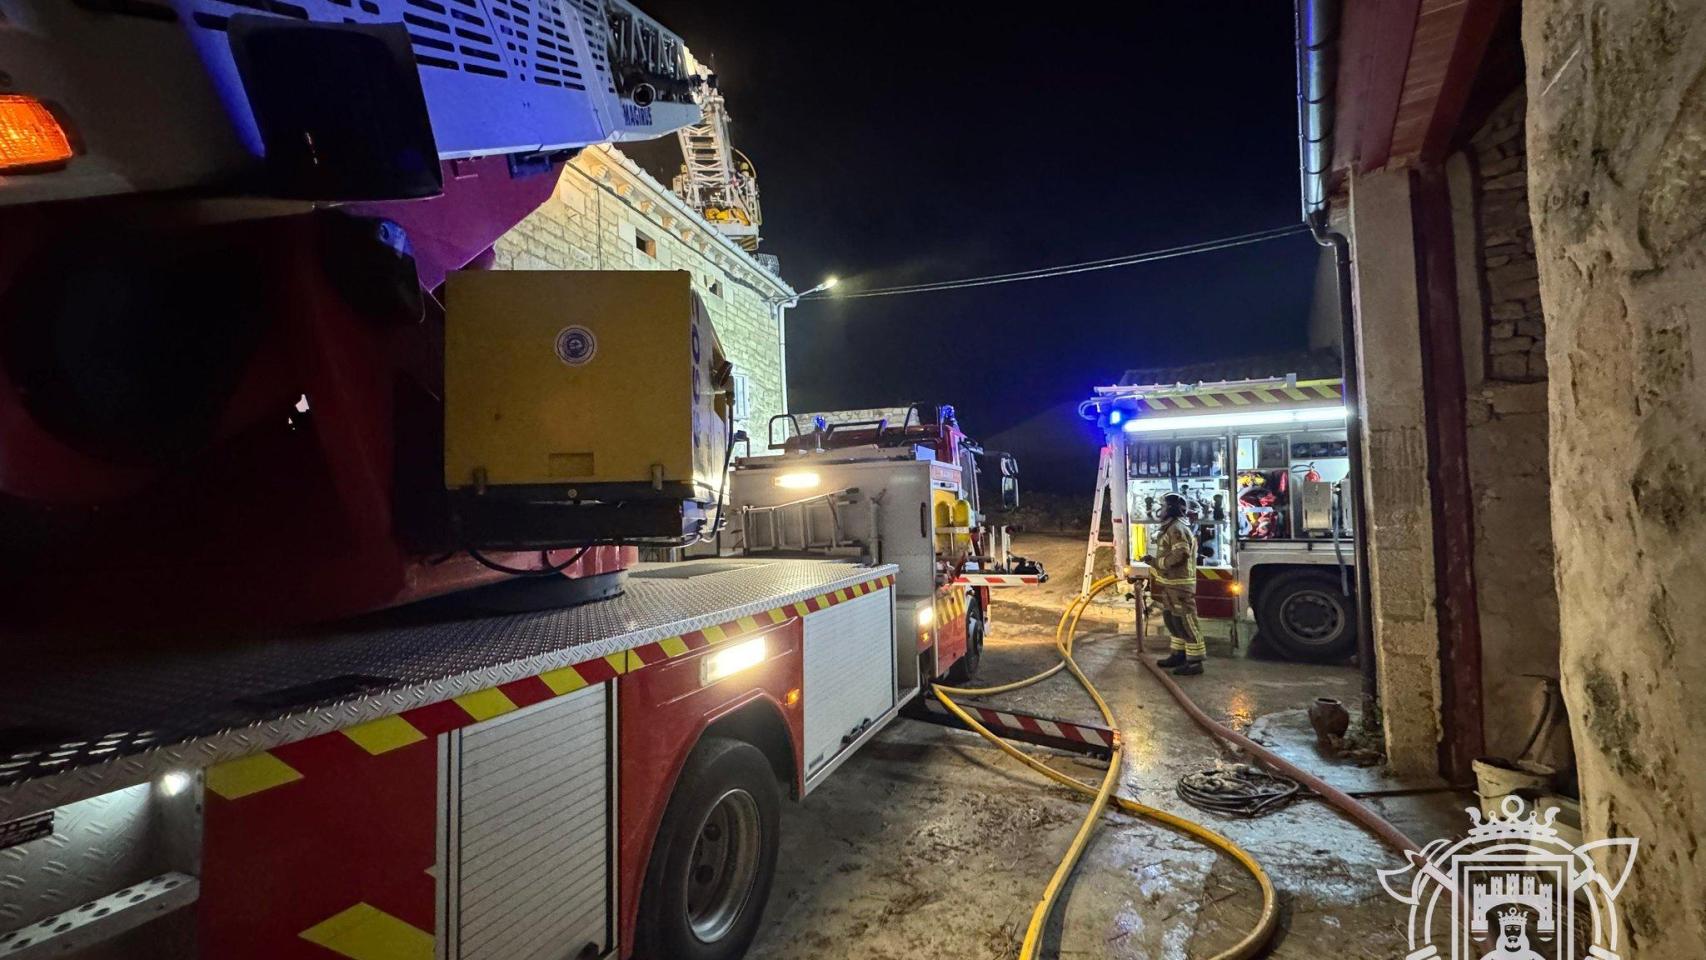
point(1617, 162)
point(1400, 515)
point(608, 214)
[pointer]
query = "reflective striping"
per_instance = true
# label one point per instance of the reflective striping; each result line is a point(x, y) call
point(364, 932)
point(998, 579)
point(486, 704)
point(563, 680)
point(949, 607)
point(1084, 733)
point(1187, 398)
point(252, 774)
point(384, 735)
point(263, 771)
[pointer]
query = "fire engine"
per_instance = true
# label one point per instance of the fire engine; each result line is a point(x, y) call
point(1264, 465)
point(899, 485)
point(324, 628)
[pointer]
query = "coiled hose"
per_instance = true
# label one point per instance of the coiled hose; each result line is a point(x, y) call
point(1104, 794)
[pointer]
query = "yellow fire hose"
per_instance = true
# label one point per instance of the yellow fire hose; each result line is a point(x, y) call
point(1104, 794)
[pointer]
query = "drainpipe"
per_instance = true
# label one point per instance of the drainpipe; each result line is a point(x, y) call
point(1317, 63)
point(1317, 28)
point(780, 309)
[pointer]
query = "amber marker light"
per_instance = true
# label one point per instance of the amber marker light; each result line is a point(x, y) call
point(29, 134)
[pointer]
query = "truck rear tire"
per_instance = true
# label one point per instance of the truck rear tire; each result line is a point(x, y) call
point(714, 856)
point(965, 668)
point(1307, 617)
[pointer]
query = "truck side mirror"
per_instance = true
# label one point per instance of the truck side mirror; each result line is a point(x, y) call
point(1009, 481)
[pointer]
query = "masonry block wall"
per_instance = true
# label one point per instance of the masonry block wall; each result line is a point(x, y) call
point(1514, 330)
point(608, 214)
point(1395, 469)
point(1504, 344)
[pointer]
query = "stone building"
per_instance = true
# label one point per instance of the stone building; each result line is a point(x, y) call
point(1522, 191)
point(608, 214)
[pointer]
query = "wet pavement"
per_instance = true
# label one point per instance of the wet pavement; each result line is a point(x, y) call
point(931, 843)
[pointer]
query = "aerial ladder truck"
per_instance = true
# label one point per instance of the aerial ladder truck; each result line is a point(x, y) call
point(323, 623)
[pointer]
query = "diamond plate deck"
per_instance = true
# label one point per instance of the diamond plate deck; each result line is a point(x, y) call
point(75, 726)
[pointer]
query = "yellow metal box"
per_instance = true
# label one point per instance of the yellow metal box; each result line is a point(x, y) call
point(583, 385)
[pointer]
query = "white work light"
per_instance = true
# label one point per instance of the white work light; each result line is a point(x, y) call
point(731, 660)
point(174, 783)
point(1243, 418)
point(927, 617)
point(797, 480)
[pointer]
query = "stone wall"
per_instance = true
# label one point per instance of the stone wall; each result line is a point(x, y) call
point(1395, 469)
point(608, 214)
point(1515, 332)
point(1617, 165)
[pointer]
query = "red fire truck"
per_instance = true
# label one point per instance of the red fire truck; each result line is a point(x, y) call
point(1265, 469)
point(257, 395)
point(898, 485)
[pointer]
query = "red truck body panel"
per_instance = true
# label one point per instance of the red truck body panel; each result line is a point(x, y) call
point(663, 711)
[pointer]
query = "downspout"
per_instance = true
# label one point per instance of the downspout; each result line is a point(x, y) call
point(780, 308)
point(1317, 56)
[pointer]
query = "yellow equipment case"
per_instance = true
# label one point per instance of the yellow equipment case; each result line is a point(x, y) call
point(581, 405)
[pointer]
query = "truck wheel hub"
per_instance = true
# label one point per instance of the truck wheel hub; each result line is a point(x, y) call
point(724, 865)
point(1312, 616)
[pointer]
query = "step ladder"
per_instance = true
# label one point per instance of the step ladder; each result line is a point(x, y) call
point(1104, 488)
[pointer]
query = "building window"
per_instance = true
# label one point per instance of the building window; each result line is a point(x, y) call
point(645, 244)
point(742, 409)
point(716, 288)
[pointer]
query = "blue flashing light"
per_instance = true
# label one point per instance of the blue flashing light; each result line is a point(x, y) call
point(1114, 417)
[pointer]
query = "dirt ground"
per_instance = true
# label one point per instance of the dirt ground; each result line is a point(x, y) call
point(931, 843)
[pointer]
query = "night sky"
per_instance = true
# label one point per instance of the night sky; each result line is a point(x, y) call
point(900, 143)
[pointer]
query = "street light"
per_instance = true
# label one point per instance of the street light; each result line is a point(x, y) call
point(827, 283)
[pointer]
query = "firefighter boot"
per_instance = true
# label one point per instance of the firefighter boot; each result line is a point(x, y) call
point(1190, 668)
point(1175, 659)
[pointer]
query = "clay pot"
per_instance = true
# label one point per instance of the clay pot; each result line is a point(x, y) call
point(1329, 718)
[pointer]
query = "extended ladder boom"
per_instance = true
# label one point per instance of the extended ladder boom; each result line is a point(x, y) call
point(716, 179)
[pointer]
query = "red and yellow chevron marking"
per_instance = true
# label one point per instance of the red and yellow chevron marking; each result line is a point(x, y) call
point(950, 606)
point(1216, 573)
point(364, 932)
point(1303, 391)
point(258, 772)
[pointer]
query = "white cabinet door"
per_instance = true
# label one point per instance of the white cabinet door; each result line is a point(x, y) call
point(849, 673)
point(525, 833)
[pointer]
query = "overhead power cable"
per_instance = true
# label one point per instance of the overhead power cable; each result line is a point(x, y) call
point(1067, 269)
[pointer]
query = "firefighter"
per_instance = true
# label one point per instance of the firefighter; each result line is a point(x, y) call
point(1175, 583)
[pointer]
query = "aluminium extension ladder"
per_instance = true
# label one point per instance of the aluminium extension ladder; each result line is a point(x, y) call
point(1104, 487)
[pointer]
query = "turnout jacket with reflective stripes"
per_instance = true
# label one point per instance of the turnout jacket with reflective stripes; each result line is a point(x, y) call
point(1176, 554)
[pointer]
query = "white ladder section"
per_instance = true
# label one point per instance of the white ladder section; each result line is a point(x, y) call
point(1104, 486)
point(716, 179)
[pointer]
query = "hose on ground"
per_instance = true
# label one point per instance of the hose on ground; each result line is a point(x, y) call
point(1343, 802)
point(1237, 791)
point(1104, 794)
